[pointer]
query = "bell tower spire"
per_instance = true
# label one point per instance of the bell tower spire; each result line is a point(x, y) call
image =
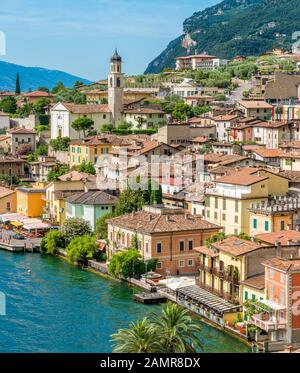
point(115, 88)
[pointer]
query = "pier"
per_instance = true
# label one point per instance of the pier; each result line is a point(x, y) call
point(150, 298)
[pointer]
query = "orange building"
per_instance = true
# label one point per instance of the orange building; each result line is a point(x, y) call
point(30, 201)
point(166, 234)
point(280, 318)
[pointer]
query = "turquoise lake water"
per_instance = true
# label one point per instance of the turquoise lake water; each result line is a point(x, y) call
point(60, 308)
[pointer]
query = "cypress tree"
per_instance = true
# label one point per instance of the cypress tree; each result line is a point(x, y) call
point(18, 89)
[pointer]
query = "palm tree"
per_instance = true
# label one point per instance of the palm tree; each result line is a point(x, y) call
point(176, 330)
point(173, 331)
point(139, 338)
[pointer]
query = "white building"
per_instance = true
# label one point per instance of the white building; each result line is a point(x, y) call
point(199, 62)
point(115, 112)
point(223, 124)
point(63, 115)
point(4, 120)
point(186, 88)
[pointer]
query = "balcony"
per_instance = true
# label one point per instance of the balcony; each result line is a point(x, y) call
point(267, 322)
point(222, 274)
point(232, 298)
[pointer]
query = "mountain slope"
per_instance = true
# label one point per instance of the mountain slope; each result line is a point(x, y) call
point(33, 77)
point(234, 27)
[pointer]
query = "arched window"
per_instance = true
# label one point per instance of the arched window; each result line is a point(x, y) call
point(128, 240)
point(111, 82)
point(123, 238)
point(118, 82)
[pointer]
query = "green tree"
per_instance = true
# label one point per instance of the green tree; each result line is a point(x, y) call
point(169, 103)
point(135, 242)
point(58, 87)
point(87, 168)
point(138, 338)
point(53, 241)
point(182, 111)
point(156, 195)
point(25, 110)
point(58, 170)
point(101, 226)
point(172, 331)
point(8, 105)
point(41, 150)
point(176, 330)
point(82, 248)
point(127, 264)
point(82, 124)
point(43, 89)
point(129, 201)
point(76, 227)
point(107, 128)
point(18, 88)
point(215, 238)
point(40, 105)
point(60, 144)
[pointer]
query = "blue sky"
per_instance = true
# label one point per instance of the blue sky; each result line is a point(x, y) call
point(80, 36)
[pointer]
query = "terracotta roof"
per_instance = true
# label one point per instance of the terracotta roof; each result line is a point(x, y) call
point(283, 237)
point(287, 265)
point(257, 282)
point(268, 153)
point(21, 131)
point(252, 104)
point(74, 176)
point(37, 94)
point(92, 198)
point(87, 109)
point(244, 176)
point(200, 139)
point(270, 124)
point(225, 118)
point(206, 251)
point(4, 192)
point(236, 246)
point(143, 221)
point(293, 176)
point(4, 137)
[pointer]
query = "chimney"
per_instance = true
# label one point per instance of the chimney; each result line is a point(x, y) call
point(150, 217)
point(278, 248)
point(167, 218)
point(289, 242)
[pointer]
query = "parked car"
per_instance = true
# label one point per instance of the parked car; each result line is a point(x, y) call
point(19, 236)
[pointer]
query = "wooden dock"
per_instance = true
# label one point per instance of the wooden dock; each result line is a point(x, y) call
point(149, 298)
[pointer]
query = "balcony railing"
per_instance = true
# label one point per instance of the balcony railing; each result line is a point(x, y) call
point(220, 273)
point(233, 298)
point(267, 323)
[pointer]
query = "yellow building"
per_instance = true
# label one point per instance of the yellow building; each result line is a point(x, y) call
point(88, 150)
point(228, 263)
point(253, 289)
point(30, 201)
point(98, 96)
point(8, 200)
point(58, 190)
point(228, 203)
point(5, 144)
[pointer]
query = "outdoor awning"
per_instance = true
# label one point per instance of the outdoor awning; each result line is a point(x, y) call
point(273, 305)
point(16, 224)
point(207, 299)
point(36, 226)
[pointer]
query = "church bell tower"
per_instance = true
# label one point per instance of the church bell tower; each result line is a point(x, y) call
point(115, 88)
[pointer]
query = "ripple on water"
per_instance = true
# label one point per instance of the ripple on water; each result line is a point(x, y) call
point(59, 308)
